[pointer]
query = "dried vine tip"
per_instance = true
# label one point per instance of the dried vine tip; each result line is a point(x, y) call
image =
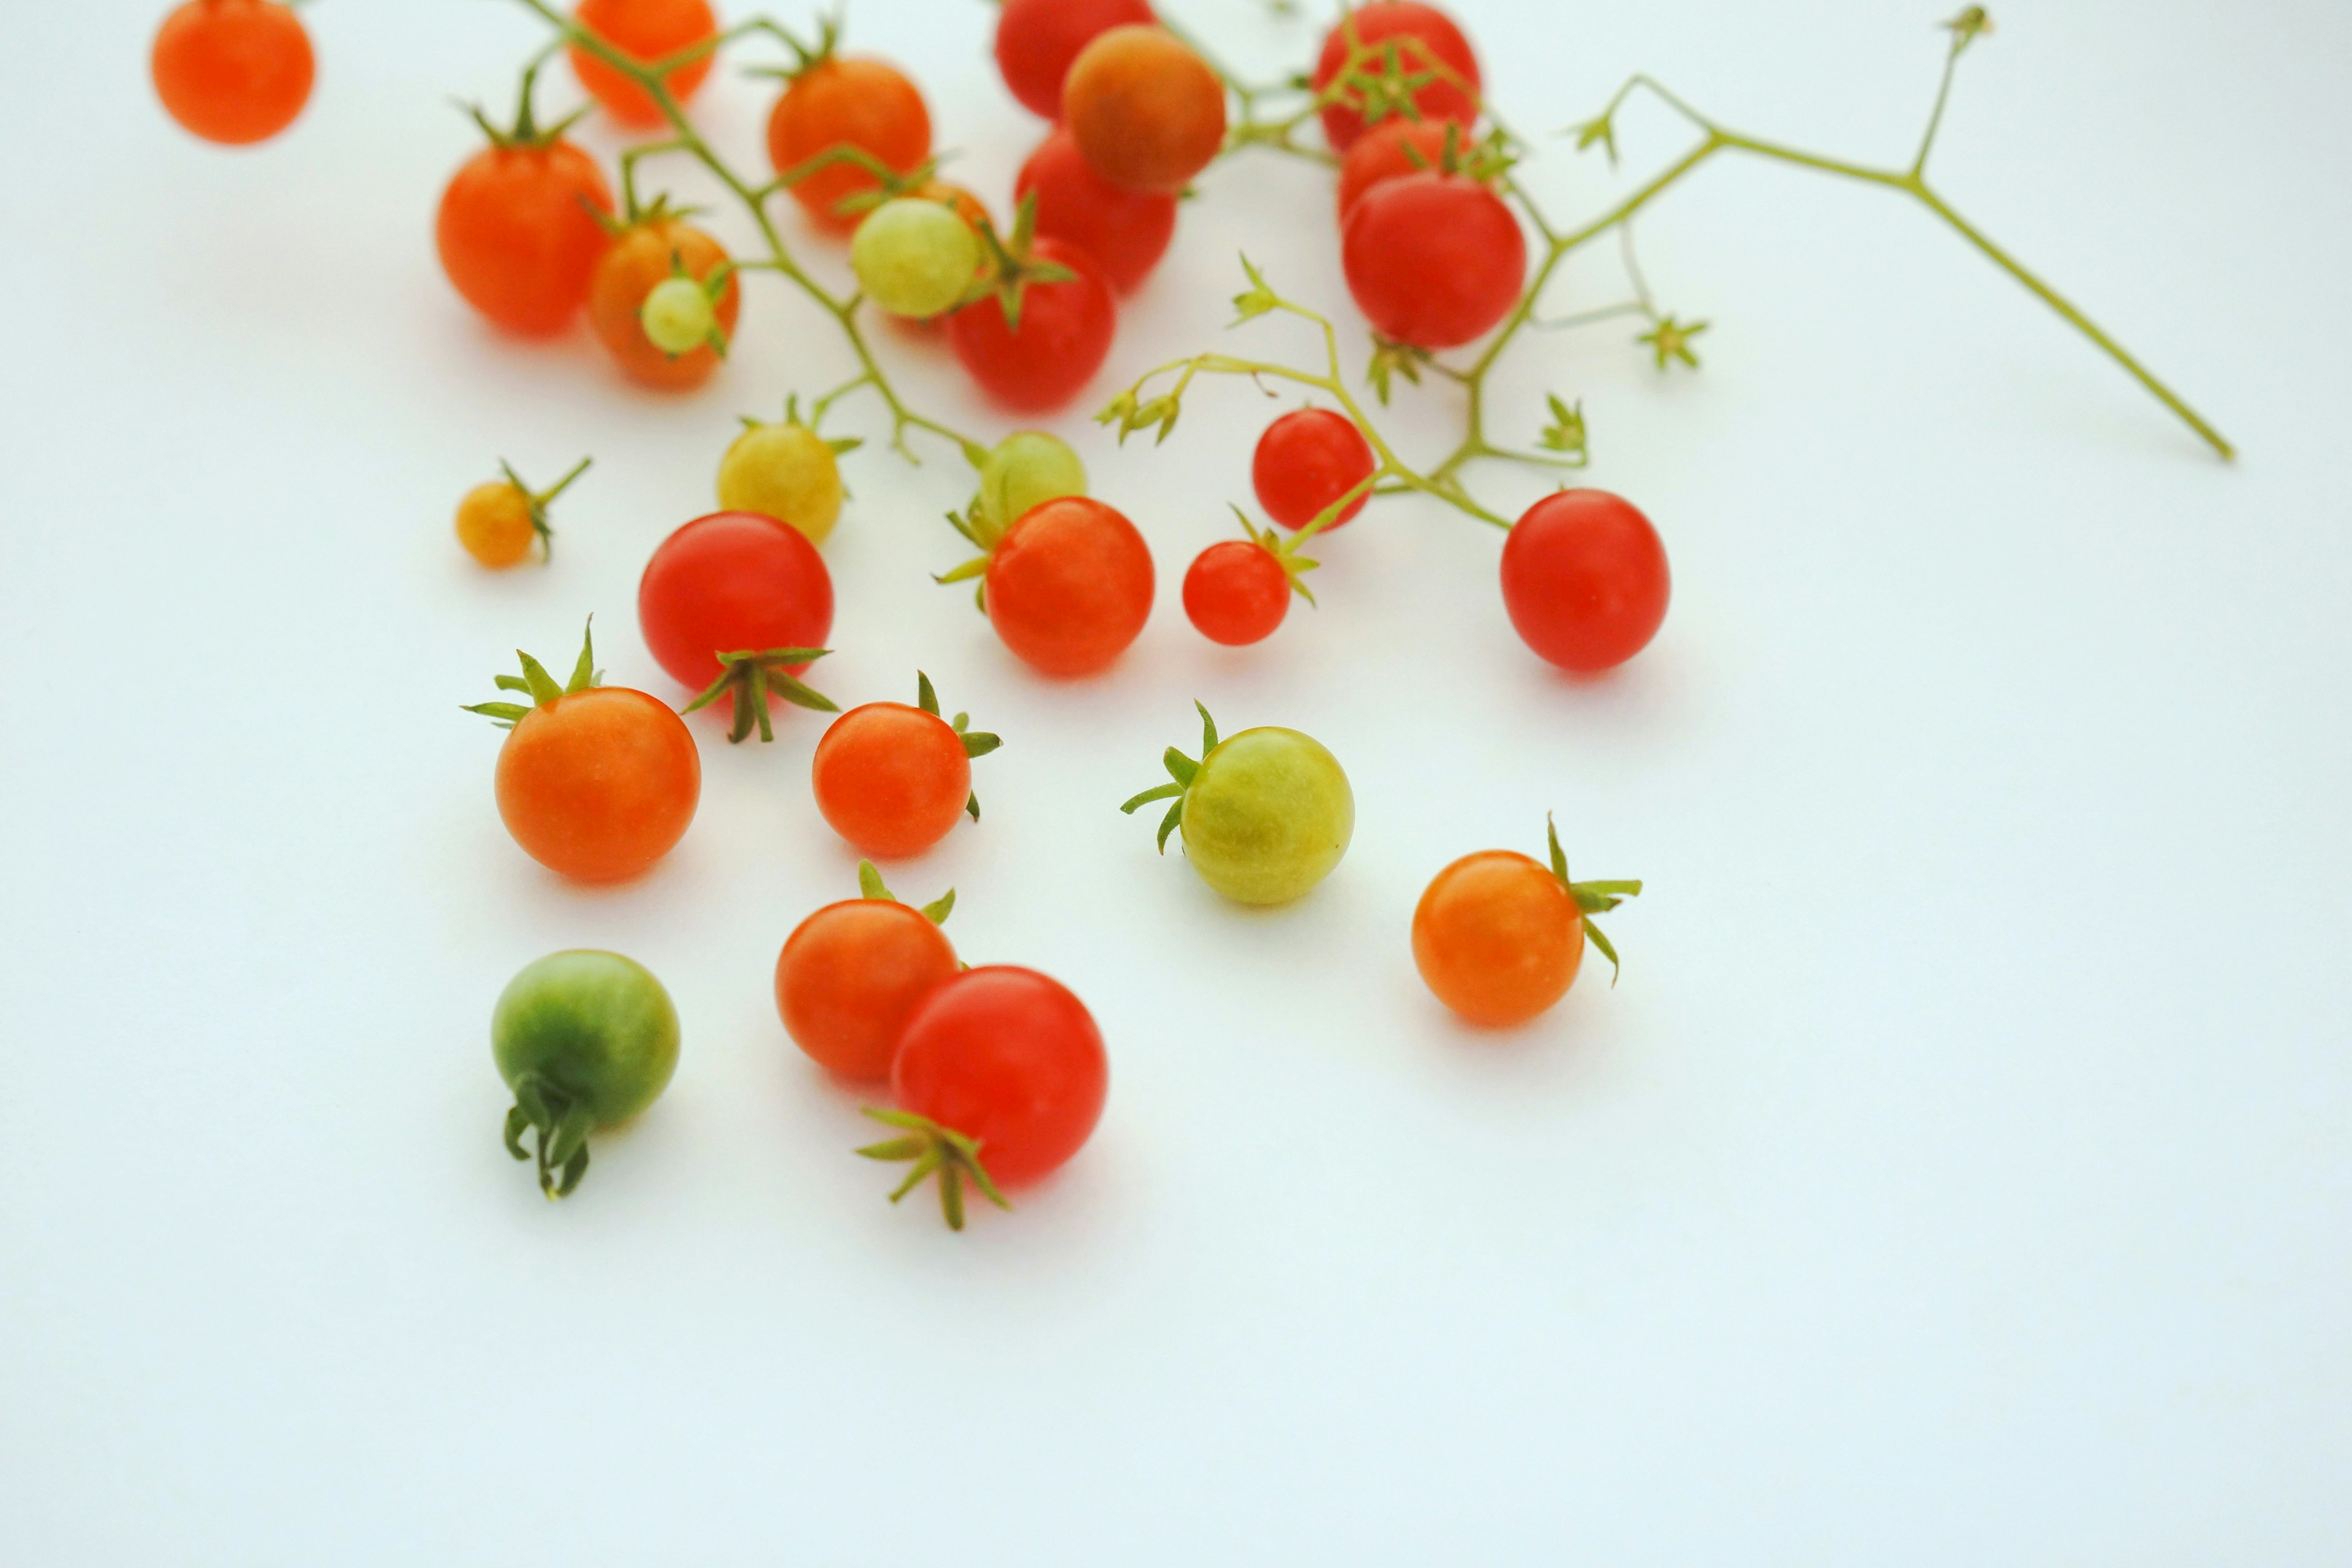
point(1671, 340)
point(871, 885)
point(539, 686)
point(976, 743)
point(1591, 897)
point(560, 1124)
point(1182, 771)
point(931, 1148)
point(753, 677)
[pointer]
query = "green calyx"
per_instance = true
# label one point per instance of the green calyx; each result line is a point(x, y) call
point(1183, 770)
point(539, 500)
point(982, 529)
point(840, 446)
point(1285, 552)
point(870, 886)
point(539, 686)
point(526, 135)
point(806, 57)
point(1592, 898)
point(1011, 265)
point(753, 676)
point(1485, 160)
point(976, 743)
point(934, 1148)
point(562, 1124)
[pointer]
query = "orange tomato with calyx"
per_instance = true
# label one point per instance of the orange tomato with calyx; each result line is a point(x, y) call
point(1499, 936)
point(646, 31)
point(518, 229)
point(852, 974)
point(893, 780)
point(847, 101)
point(646, 255)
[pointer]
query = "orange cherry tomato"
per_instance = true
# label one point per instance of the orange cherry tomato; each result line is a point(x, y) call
point(233, 71)
point(891, 779)
point(495, 524)
point(646, 31)
point(642, 257)
point(847, 101)
point(1497, 937)
point(1147, 112)
point(515, 232)
point(599, 784)
point(852, 974)
point(1069, 586)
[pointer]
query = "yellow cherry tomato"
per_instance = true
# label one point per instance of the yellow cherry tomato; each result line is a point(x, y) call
point(494, 524)
point(787, 472)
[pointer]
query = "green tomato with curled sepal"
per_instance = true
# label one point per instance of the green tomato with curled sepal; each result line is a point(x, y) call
point(1266, 815)
point(1026, 469)
point(586, 1041)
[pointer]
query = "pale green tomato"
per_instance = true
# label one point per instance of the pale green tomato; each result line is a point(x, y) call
point(678, 316)
point(915, 258)
point(786, 471)
point(1268, 816)
point(1027, 470)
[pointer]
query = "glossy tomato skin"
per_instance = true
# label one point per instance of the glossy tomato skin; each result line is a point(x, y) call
point(1269, 815)
point(645, 30)
point(852, 974)
point(515, 238)
point(1497, 938)
point(1392, 148)
point(1433, 261)
point(1585, 580)
point(1236, 592)
point(233, 71)
point(1008, 1057)
point(1036, 41)
point(494, 524)
point(1385, 19)
point(733, 581)
point(1305, 460)
point(599, 785)
point(1146, 110)
point(891, 779)
point(637, 262)
point(1063, 337)
point(1069, 586)
point(596, 1026)
point(1126, 231)
point(853, 100)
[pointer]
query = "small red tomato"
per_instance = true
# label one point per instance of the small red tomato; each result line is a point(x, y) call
point(1395, 148)
point(1010, 1060)
point(847, 100)
point(646, 256)
point(1307, 460)
point(1036, 41)
point(1069, 586)
point(1236, 592)
point(1147, 111)
point(1126, 231)
point(1440, 52)
point(1585, 580)
point(852, 974)
point(518, 231)
point(1063, 336)
point(233, 71)
point(733, 581)
point(646, 31)
point(1433, 261)
point(893, 779)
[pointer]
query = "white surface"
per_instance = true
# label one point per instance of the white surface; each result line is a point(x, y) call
point(1961, 1175)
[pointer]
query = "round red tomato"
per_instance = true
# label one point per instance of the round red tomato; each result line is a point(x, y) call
point(233, 71)
point(1037, 39)
point(646, 31)
point(734, 581)
point(517, 234)
point(1069, 586)
point(1236, 592)
point(1307, 460)
point(1011, 1059)
point(1395, 148)
point(891, 779)
point(1440, 41)
point(852, 974)
point(1585, 580)
point(847, 101)
point(1433, 261)
point(1063, 336)
point(1126, 231)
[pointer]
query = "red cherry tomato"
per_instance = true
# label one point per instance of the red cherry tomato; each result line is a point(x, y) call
point(1011, 1059)
point(1069, 586)
point(1236, 592)
point(891, 779)
point(1305, 460)
point(1585, 580)
point(1037, 39)
point(847, 101)
point(1395, 148)
point(1433, 261)
point(734, 581)
point(517, 235)
point(233, 71)
point(646, 31)
point(1126, 231)
point(1063, 337)
point(1386, 19)
point(852, 974)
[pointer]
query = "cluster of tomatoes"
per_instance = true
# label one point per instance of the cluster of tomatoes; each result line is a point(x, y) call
point(997, 1074)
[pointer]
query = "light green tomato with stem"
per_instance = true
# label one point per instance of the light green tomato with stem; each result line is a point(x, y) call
point(1266, 815)
point(915, 258)
point(1026, 469)
point(678, 316)
point(585, 1039)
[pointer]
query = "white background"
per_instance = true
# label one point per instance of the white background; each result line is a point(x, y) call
point(1961, 1173)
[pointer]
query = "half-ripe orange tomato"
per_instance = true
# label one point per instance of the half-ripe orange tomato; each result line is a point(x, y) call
point(646, 255)
point(646, 31)
point(847, 101)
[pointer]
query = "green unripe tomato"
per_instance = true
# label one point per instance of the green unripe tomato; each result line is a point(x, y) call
point(678, 316)
point(585, 1039)
point(786, 471)
point(1268, 816)
point(1027, 470)
point(914, 257)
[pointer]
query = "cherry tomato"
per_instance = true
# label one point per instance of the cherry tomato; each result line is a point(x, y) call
point(852, 974)
point(1147, 112)
point(646, 256)
point(915, 258)
point(1265, 815)
point(233, 71)
point(1126, 231)
point(734, 581)
point(1028, 469)
point(518, 229)
point(1069, 586)
point(1236, 592)
point(500, 522)
point(1585, 580)
point(646, 31)
point(1063, 337)
point(1307, 460)
point(1036, 41)
point(1499, 937)
point(893, 780)
point(1433, 261)
point(1440, 42)
point(596, 783)
point(585, 1040)
point(787, 472)
point(847, 101)
point(1394, 148)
